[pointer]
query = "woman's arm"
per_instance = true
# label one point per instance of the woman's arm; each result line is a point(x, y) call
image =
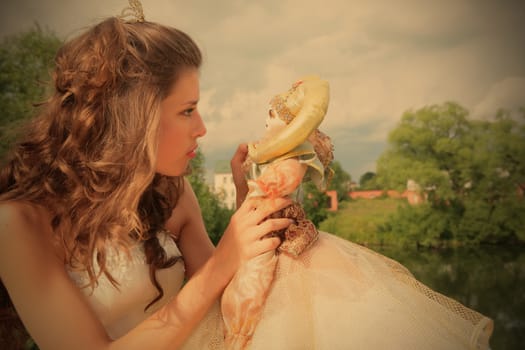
point(209, 269)
point(51, 307)
point(58, 316)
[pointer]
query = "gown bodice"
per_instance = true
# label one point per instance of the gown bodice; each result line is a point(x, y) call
point(122, 307)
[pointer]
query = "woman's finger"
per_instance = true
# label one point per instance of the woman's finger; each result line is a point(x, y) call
point(240, 156)
point(266, 244)
point(268, 206)
point(249, 205)
point(270, 225)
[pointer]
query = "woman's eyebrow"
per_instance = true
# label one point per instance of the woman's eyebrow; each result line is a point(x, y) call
point(192, 102)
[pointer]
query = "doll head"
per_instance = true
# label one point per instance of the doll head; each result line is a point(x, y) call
point(292, 118)
point(284, 108)
point(274, 124)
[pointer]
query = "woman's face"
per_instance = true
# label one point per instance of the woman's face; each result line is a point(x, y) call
point(180, 125)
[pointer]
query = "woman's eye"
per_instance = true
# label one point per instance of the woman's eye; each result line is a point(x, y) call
point(188, 112)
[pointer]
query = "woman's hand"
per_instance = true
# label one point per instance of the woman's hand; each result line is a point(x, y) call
point(239, 178)
point(244, 237)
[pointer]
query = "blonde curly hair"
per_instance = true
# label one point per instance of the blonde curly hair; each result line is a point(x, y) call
point(89, 157)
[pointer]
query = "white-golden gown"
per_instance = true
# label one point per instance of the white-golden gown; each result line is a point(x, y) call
point(336, 295)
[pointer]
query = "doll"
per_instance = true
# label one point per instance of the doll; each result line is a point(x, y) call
point(318, 290)
point(292, 150)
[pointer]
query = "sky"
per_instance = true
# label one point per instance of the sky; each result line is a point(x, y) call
point(381, 58)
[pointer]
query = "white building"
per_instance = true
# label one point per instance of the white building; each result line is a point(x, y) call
point(223, 184)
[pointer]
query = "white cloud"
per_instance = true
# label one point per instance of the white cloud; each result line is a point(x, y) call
point(380, 57)
point(508, 94)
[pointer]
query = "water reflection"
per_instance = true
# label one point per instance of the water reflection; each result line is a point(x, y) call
point(490, 280)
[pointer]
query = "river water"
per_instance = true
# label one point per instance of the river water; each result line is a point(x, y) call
point(490, 280)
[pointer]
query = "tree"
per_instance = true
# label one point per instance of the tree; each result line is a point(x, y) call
point(422, 225)
point(340, 182)
point(215, 214)
point(314, 203)
point(425, 147)
point(367, 181)
point(469, 170)
point(26, 60)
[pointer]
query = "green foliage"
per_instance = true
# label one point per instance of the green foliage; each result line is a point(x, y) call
point(26, 60)
point(420, 225)
point(215, 214)
point(359, 220)
point(424, 147)
point(482, 222)
point(340, 181)
point(367, 181)
point(315, 203)
point(469, 170)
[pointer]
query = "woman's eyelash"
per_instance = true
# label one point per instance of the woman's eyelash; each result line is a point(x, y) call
point(188, 112)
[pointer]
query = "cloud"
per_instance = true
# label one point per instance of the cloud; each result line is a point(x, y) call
point(506, 94)
point(381, 59)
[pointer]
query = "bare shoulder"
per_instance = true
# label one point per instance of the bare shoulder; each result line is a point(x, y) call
point(19, 214)
point(186, 220)
point(20, 222)
point(187, 206)
point(188, 198)
point(31, 271)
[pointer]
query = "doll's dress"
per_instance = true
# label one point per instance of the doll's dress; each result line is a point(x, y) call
point(338, 295)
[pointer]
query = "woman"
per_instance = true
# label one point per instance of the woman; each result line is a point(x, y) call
point(94, 207)
point(98, 227)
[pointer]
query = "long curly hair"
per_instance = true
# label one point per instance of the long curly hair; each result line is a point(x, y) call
point(89, 156)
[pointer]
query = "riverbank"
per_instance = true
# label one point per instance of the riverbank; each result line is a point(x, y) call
point(487, 278)
point(358, 220)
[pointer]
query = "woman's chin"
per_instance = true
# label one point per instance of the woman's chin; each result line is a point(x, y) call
point(178, 171)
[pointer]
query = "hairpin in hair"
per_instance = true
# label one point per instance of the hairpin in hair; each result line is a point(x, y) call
point(133, 11)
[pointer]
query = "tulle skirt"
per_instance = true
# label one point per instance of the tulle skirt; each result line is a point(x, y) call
point(340, 295)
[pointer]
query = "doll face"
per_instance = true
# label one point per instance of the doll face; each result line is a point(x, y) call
point(273, 122)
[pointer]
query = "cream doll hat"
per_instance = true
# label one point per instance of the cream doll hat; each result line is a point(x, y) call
point(303, 108)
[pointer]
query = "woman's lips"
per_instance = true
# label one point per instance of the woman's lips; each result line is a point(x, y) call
point(192, 153)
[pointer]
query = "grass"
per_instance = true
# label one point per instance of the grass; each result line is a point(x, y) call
point(358, 220)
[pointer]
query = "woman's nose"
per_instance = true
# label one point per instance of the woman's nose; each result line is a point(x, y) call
point(200, 128)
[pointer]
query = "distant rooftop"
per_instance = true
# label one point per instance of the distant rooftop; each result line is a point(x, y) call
point(222, 167)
